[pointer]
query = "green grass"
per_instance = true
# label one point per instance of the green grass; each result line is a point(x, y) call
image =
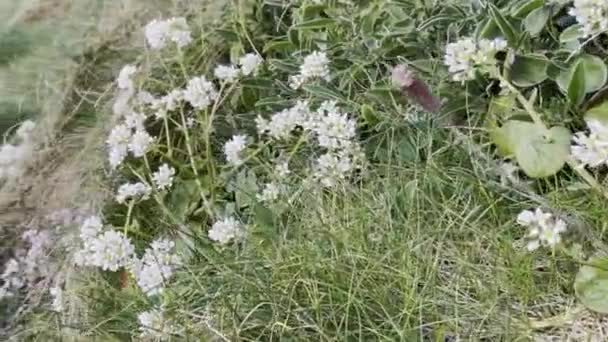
point(421, 245)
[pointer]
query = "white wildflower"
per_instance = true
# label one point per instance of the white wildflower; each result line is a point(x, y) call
point(163, 178)
point(160, 32)
point(200, 93)
point(57, 294)
point(140, 142)
point(250, 64)
point(156, 33)
point(135, 120)
point(179, 32)
point(544, 228)
point(118, 142)
point(284, 122)
point(145, 98)
point(271, 193)
point(124, 79)
point(24, 132)
point(36, 261)
point(331, 168)
point(234, 148)
point(14, 158)
point(122, 103)
point(262, 125)
point(466, 56)
point(226, 73)
point(90, 228)
point(133, 191)
point(111, 251)
point(117, 155)
point(315, 66)
point(156, 266)
point(167, 103)
point(190, 122)
point(591, 149)
point(334, 130)
point(592, 15)
point(281, 170)
point(154, 326)
point(225, 230)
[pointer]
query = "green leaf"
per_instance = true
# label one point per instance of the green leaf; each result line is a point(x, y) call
point(599, 113)
point(591, 285)
point(258, 83)
point(369, 115)
point(596, 73)
point(278, 45)
point(245, 188)
point(524, 7)
point(576, 87)
point(529, 70)
point(536, 20)
point(505, 27)
point(184, 198)
point(505, 138)
point(539, 152)
point(593, 70)
point(571, 34)
point(324, 92)
point(318, 23)
point(489, 30)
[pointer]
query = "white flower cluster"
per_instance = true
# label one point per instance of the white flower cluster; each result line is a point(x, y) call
point(57, 295)
point(156, 267)
point(155, 327)
point(133, 191)
point(29, 264)
point(281, 124)
point(129, 136)
point(124, 79)
point(315, 66)
point(592, 15)
point(271, 192)
point(14, 158)
point(163, 178)
point(160, 32)
point(249, 64)
point(591, 149)
point(167, 103)
point(233, 149)
point(12, 279)
point(226, 230)
point(334, 131)
point(466, 56)
point(109, 250)
point(544, 228)
point(200, 93)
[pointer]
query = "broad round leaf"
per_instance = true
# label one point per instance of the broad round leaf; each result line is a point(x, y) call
point(599, 113)
point(529, 70)
point(536, 20)
point(591, 285)
point(539, 152)
point(571, 34)
point(595, 74)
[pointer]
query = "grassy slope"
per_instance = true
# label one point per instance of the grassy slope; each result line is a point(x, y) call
point(429, 248)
